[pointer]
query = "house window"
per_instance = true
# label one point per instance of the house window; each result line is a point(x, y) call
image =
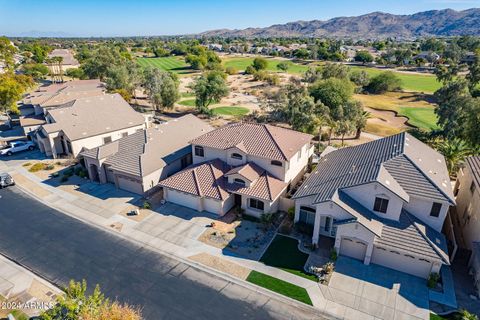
point(236, 156)
point(276, 163)
point(256, 204)
point(472, 187)
point(124, 134)
point(199, 152)
point(380, 205)
point(107, 140)
point(239, 181)
point(435, 211)
point(307, 215)
point(186, 161)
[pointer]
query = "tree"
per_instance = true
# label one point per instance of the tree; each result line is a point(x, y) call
point(76, 304)
point(335, 70)
point(473, 75)
point(360, 78)
point(363, 57)
point(231, 70)
point(465, 315)
point(301, 53)
point(260, 64)
point(210, 87)
point(283, 66)
point(312, 74)
point(446, 72)
point(7, 52)
point(361, 123)
point(125, 76)
point(75, 73)
point(12, 87)
point(161, 88)
point(250, 70)
point(332, 92)
point(385, 81)
point(35, 70)
point(344, 127)
point(453, 105)
point(102, 60)
point(455, 151)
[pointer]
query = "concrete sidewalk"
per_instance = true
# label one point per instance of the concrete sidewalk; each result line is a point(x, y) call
point(105, 209)
point(23, 290)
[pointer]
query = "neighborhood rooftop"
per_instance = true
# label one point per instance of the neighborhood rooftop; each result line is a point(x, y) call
point(261, 140)
point(91, 116)
point(209, 179)
point(148, 150)
point(418, 169)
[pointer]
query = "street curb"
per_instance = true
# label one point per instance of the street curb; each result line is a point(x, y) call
point(206, 269)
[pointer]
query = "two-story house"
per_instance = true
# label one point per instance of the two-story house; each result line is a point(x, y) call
point(87, 123)
point(244, 164)
point(383, 202)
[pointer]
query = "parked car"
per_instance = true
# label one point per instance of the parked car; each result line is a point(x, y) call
point(17, 146)
point(6, 180)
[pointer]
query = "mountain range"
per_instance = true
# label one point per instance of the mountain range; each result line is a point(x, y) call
point(374, 25)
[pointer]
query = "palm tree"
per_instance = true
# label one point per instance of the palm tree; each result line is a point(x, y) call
point(361, 122)
point(455, 151)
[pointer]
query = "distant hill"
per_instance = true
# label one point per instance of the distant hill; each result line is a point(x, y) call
point(446, 22)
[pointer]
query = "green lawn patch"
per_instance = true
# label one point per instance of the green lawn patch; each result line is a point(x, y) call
point(187, 94)
point(411, 82)
point(188, 102)
point(423, 118)
point(230, 111)
point(434, 316)
point(283, 253)
point(279, 286)
point(172, 64)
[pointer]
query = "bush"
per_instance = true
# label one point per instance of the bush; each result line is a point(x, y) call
point(385, 81)
point(37, 167)
point(250, 70)
point(433, 280)
point(26, 164)
point(333, 254)
point(259, 64)
point(68, 173)
point(231, 70)
point(291, 213)
point(49, 167)
point(64, 179)
point(146, 205)
point(304, 228)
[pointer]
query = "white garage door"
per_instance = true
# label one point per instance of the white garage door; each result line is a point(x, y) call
point(129, 185)
point(353, 248)
point(212, 206)
point(404, 263)
point(182, 199)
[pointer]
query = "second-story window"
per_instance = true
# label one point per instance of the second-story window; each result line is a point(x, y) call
point(236, 156)
point(435, 211)
point(239, 181)
point(276, 163)
point(199, 152)
point(107, 140)
point(381, 205)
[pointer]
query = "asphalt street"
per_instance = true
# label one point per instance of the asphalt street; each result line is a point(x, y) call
point(61, 248)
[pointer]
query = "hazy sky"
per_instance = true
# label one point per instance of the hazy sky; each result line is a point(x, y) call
point(127, 18)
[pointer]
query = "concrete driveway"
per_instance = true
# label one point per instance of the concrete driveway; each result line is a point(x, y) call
point(375, 291)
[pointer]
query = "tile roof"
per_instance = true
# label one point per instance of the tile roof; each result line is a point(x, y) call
point(260, 140)
point(72, 86)
point(209, 179)
point(146, 151)
point(92, 116)
point(32, 120)
point(474, 163)
point(416, 168)
point(249, 171)
point(409, 233)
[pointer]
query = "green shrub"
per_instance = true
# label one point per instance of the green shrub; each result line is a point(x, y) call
point(26, 164)
point(146, 205)
point(250, 70)
point(231, 70)
point(49, 167)
point(68, 173)
point(78, 171)
point(37, 167)
point(385, 81)
point(433, 280)
point(291, 213)
point(333, 254)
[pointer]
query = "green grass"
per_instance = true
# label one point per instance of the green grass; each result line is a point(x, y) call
point(279, 286)
point(283, 253)
point(230, 111)
point(187, 103)
point(423, 118)
point(410, 82)
point(434, 316)
point(187, 94)
point(242, 63)
point(173, 64)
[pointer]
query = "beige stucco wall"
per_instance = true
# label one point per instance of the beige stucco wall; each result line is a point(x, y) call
point(468, 207)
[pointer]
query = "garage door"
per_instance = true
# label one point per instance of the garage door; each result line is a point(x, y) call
point(353, 248)
point(182, 199)
point(212, 206)
point(129, 185)
point(401, 262)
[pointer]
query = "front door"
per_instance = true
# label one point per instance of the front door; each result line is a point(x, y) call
point(328, 221)
point(238, 200)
